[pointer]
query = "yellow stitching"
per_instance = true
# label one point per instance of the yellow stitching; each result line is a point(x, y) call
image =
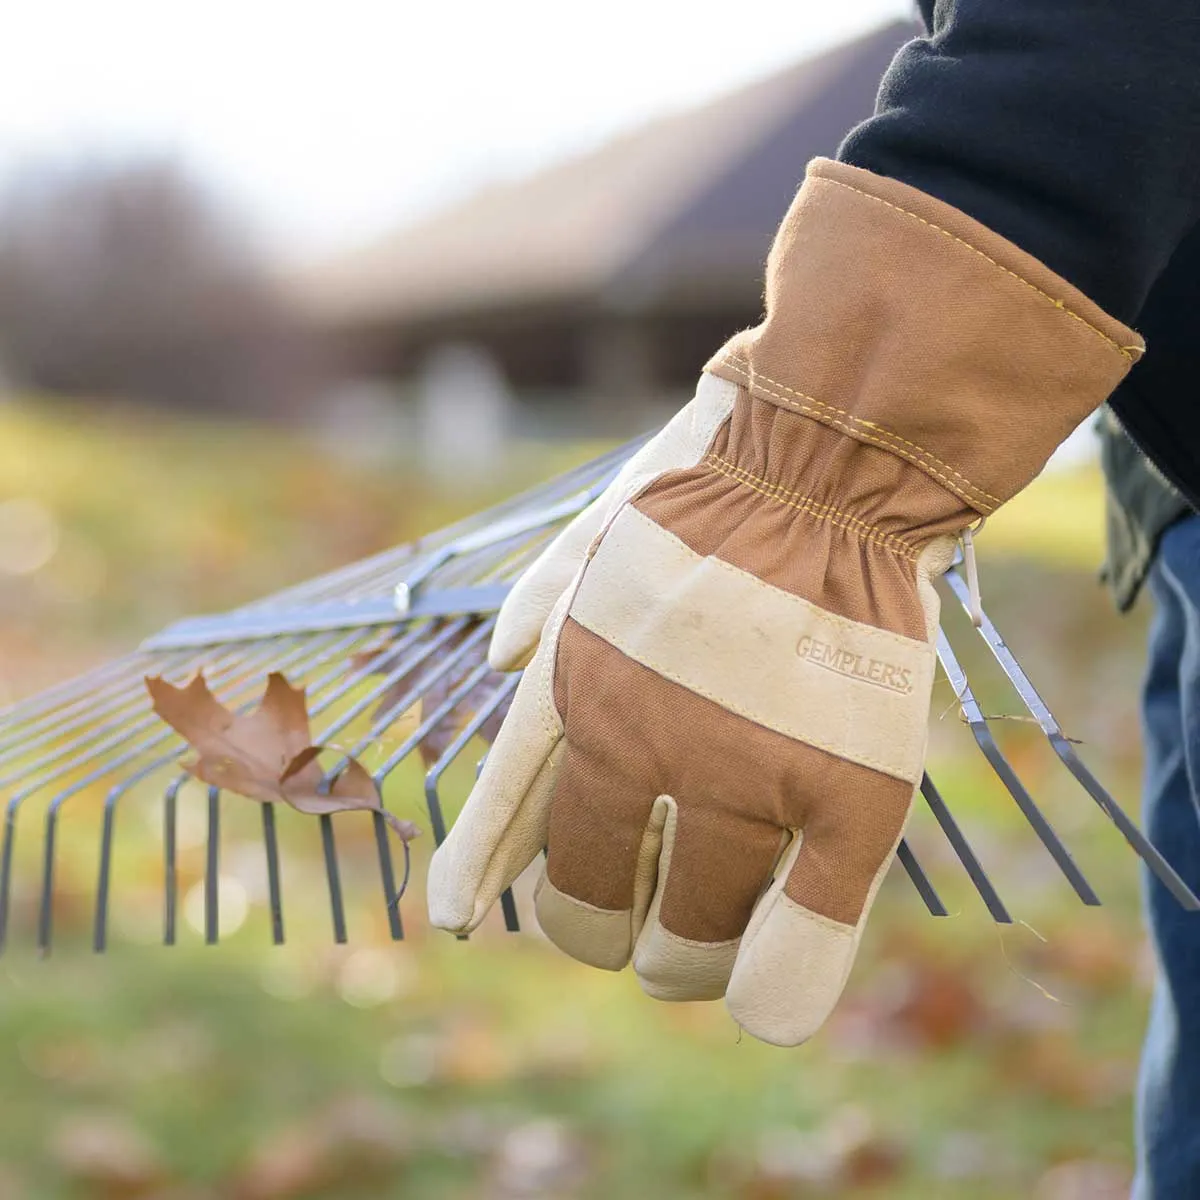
point(811, 507)
point(1122, 350)
point(751, 375)
point(870, 536)
point(545, 698)
point(820, 411)
point(551, 718)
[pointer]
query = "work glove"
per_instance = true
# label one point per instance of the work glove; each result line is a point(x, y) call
point(729, 655)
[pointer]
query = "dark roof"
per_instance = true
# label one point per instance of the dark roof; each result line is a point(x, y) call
point(677, 208)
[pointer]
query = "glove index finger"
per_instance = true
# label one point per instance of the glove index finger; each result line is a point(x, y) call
point(526, 609)
point(682, 443)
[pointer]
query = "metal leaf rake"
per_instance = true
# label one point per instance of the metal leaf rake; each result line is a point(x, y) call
point(403, 632)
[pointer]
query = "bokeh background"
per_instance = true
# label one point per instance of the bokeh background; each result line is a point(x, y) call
point(282, 286)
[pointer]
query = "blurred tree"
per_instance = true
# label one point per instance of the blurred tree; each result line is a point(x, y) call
point(128, 280)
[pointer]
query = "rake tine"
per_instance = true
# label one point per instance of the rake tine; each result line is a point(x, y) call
point(433, 776)
point(387, 876)
point(402, 666)
point(991, 751)
point(100, 920)
point(962, 848)
point(211, 864)
point(308, 655)
point(508, 907)
point(6, 854)
point(315, 655)
point(383, 847)
point(430, 721)
point(920, 880)
point(1069, 757)
point(443, 710)
point(43, 937)
point(332, 873)
point(71, 693)
point(274, 890)
point(45, 916)
point(94, 743)
point(64, 719)
point(170, 859)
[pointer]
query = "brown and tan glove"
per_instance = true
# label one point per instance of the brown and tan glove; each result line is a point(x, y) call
point(721, 729)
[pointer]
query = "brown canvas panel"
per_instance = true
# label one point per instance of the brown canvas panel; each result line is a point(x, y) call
point(945, 344)
point(816, 513)
point(633, 736)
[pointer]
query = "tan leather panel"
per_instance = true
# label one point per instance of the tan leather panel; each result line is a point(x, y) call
point(902, 322)
point(760, 652)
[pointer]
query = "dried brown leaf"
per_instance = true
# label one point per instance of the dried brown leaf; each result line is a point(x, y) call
point(265, 755)
point(352, 788)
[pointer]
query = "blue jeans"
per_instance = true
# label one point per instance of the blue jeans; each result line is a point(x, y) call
point(1168, 1095)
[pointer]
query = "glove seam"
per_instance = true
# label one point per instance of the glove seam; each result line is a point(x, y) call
point(810, 506)
point(976, 497)
point(870, 761)
point(690, 943)
point(1125, 352)
point(834, 926)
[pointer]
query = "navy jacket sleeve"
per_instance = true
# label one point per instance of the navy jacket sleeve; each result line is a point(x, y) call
point(1072, 127)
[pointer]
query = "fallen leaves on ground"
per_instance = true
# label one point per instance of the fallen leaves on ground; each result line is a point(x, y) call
point(539, 1157)
point(1084, 1179)
point(108, 1155)
point(357, 1139)
point(268, 754)
point(914, 1004)
point(847, 1152)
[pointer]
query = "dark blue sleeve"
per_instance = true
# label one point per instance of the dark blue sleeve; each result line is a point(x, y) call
point(1072, 127)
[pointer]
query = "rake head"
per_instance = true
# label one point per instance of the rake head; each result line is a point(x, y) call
point(392, 651)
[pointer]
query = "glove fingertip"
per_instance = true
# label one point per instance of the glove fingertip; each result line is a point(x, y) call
point(790, 972)
point(509, 652)
point(448, 905)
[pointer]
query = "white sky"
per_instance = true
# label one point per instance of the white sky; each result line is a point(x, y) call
point(326, 122)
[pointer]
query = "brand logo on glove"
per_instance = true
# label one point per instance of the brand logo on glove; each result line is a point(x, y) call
point(855, 666)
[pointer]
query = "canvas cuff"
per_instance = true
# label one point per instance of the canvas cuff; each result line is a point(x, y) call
point(907, 325)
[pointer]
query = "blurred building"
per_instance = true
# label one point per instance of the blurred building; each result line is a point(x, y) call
point(600, 286)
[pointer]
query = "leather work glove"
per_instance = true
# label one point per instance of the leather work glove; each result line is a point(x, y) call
point(724, 715)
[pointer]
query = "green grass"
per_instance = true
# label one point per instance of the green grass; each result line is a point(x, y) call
point(965, 1061)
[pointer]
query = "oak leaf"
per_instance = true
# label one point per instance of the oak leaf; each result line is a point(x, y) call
point(268, 754)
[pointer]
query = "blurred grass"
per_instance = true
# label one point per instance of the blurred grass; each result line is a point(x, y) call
point(965, 1062)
